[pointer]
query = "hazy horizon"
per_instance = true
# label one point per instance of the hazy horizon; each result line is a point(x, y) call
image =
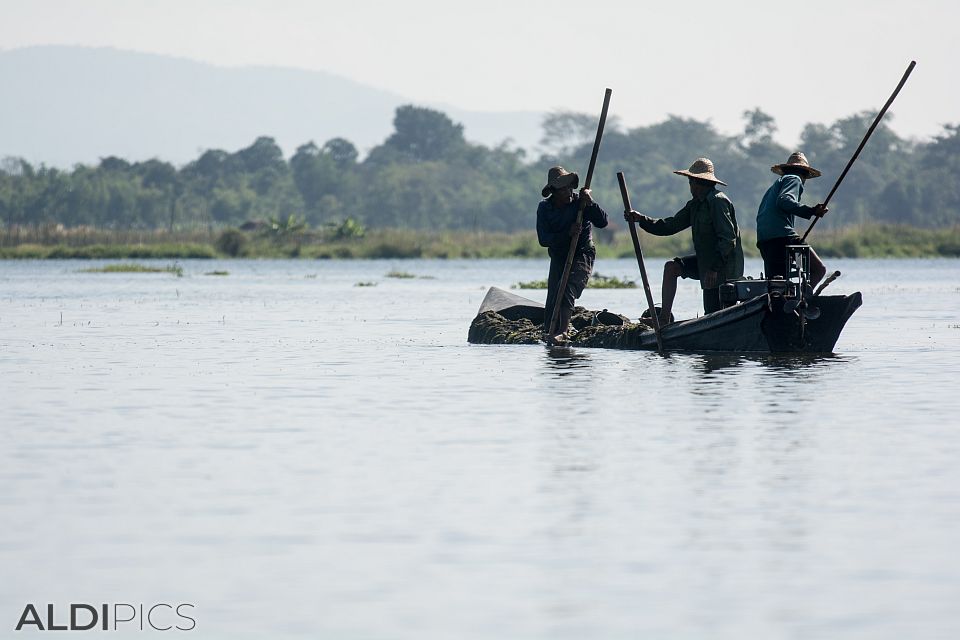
point(689, 60)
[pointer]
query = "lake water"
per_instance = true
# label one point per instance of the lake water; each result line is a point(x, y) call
point(301, 457)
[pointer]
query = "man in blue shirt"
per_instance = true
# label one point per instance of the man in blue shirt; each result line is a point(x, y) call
point(775, 218)
point(556, 225)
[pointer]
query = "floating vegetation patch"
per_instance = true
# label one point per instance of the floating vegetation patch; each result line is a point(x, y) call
point(530, 284)
point(365, 284)
point(406, 275)
point(598, 281)
point(132, 267)
point(217, 273)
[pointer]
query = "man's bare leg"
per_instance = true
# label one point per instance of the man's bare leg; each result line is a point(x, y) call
point(565, 315)
point(671, 272)
point(817, 269)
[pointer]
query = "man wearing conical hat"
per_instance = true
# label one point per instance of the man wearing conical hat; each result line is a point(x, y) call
point(556, 226)
point(775, 217)
point(716, 238)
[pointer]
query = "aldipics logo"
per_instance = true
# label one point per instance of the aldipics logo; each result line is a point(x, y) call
point(109, 617)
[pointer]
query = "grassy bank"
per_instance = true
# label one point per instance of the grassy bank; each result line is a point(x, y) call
point(873, 241)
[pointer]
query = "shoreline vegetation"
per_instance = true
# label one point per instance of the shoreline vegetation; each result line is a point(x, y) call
point(427, 192)
point(55, 242)
point(427, 177)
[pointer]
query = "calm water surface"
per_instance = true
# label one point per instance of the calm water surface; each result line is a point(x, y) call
point(303, 457)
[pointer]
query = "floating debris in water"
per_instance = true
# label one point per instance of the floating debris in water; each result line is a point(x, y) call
point(530, 284)
point(132, 267)
point(597, 281)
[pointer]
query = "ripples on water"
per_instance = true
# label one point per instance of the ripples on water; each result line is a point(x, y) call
point(302, 457)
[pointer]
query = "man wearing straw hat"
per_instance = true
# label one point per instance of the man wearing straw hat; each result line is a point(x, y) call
point(716, 238)
point(775, 218)
point(556, 225)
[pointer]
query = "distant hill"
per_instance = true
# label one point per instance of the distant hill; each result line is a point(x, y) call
point(63, 105)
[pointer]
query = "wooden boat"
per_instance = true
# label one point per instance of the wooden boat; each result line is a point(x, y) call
point(771, 318)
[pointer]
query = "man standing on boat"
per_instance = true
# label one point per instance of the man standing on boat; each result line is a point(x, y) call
point(775, 218)
point(556, 225)
point(716, 238)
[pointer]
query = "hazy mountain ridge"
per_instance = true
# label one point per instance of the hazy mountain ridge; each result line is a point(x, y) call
point(65, 105)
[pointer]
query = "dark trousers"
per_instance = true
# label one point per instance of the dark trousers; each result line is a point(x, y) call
point(774, 253)
point(711, 300)
point(690, 269)
point(579, 276)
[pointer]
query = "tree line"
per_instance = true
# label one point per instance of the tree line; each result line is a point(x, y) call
point(426, 175)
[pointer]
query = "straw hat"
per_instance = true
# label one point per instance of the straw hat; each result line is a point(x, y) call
point(559, 178)
point(702, 169)
point(796, 161)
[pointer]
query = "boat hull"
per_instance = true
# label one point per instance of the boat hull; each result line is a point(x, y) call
point(759, 325)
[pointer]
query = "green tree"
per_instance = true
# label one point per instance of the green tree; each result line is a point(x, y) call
point(564, 131)
point(263, 154)
point(423, 135)
point(426, 176)
point(316, 176)
point(342, 152)
point(758, 129)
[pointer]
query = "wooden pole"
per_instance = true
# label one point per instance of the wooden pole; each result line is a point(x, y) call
point(863, 142)
point(643, 269)
point(555, 316)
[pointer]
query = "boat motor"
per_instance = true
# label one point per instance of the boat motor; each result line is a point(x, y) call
point(795, 289)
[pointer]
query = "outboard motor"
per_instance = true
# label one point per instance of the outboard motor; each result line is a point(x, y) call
point(798, 274)
point(795, 290)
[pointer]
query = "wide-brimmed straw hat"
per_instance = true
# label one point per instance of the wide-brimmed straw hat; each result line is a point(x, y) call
point(560, 178)
point(796, 161)
point(702, 169)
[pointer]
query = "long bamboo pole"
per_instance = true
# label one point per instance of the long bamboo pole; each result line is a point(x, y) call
point(643, 270)
point(555, 316)
point(863, 142)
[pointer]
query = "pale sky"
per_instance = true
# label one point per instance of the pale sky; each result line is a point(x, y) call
point(812, 61)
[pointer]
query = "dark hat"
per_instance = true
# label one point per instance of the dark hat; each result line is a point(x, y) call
point(559, 178)
point(796, 161)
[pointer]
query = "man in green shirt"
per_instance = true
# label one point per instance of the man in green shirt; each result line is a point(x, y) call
point(716, 238)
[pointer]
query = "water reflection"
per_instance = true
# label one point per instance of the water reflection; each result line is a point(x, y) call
point(712, 362)
point(563, 361)
point(793, 362)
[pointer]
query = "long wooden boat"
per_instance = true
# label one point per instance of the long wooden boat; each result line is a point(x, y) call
point(769, 322)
